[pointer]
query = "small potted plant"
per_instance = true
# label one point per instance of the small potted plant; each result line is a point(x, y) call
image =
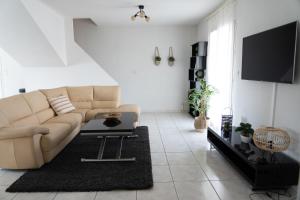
point(157, 57)
point(157, 60)
point(246, 131)
point(171, 60)
point(198, 99)
point(226, 129)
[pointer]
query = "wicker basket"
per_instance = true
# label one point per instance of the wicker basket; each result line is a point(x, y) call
point(271, 139)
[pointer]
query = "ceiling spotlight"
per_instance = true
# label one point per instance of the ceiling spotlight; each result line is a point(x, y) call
point(141, 13)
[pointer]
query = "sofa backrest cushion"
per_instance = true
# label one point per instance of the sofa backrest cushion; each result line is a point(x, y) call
point(55, 92)
point(106, 97)
point(39, 105)
point(15, 108)
point(81, 97)
point(37, 101)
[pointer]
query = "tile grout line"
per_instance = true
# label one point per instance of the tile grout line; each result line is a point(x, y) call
point(96, 193)
point(55, 196)
point(166, 158)
point(14, 196)
point(198, 162)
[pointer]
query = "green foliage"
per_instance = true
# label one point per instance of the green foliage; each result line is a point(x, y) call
point(245, 129)
point(157, 58)
point(226, 127)
point(198, 98)
point(171, 59)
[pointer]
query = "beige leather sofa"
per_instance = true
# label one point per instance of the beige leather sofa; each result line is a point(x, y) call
point(30, 132)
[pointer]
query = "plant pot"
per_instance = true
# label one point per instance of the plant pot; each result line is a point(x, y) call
point(171, 61)
point(157, 62)
point(200, 124)
point(245, 139)
point(171, 58)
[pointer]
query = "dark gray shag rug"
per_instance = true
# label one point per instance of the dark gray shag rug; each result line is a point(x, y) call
point(66, 172)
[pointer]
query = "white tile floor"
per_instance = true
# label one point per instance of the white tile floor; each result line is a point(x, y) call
point(183, 168)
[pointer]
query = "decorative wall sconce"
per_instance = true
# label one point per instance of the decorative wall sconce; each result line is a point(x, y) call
point(171, 58)
point(157, 58)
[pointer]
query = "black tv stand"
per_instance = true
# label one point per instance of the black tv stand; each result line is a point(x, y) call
point(263, 173)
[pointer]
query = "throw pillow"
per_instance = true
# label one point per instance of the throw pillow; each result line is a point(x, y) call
point(61, 104)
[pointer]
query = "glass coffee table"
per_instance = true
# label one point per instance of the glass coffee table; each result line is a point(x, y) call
point(110, 125)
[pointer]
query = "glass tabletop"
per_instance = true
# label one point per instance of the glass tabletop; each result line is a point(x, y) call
point(110, 122)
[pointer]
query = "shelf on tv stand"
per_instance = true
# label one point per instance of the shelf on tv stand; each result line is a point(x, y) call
point(281, 173)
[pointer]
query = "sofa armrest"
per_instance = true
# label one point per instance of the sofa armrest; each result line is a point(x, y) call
point(22, 131)
point(130, 108)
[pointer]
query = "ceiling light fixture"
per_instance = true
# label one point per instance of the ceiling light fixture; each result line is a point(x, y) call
point(141, 13)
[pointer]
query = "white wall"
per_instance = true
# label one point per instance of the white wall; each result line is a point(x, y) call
point(21, 38)
point(202, 30)
point(47, 18)
point(11, 76)
point(39, 71)
point(126, 53)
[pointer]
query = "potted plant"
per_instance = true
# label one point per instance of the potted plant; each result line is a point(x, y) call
point(157, 60)
point(157, 57)
point(226, 129)
point(198, 99)
point(246, 131)
point(171, 60)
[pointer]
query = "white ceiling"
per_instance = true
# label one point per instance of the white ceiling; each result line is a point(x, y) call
point(118, 12)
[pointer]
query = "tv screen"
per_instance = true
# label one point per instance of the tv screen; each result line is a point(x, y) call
point(270, 55)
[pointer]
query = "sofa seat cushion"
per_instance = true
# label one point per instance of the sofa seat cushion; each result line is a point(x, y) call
point(82, 104)
point(82, 112)
point(73, 119)
point(57, 132)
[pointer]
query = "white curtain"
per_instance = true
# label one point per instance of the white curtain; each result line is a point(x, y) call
point(220, 61)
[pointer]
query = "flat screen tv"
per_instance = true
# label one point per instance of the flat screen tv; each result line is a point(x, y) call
point(271, 55)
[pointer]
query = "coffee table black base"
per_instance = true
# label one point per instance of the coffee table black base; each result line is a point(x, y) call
point(109, 160)
point(118, 158)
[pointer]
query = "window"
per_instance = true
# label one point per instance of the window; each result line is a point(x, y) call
point(220, 61)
